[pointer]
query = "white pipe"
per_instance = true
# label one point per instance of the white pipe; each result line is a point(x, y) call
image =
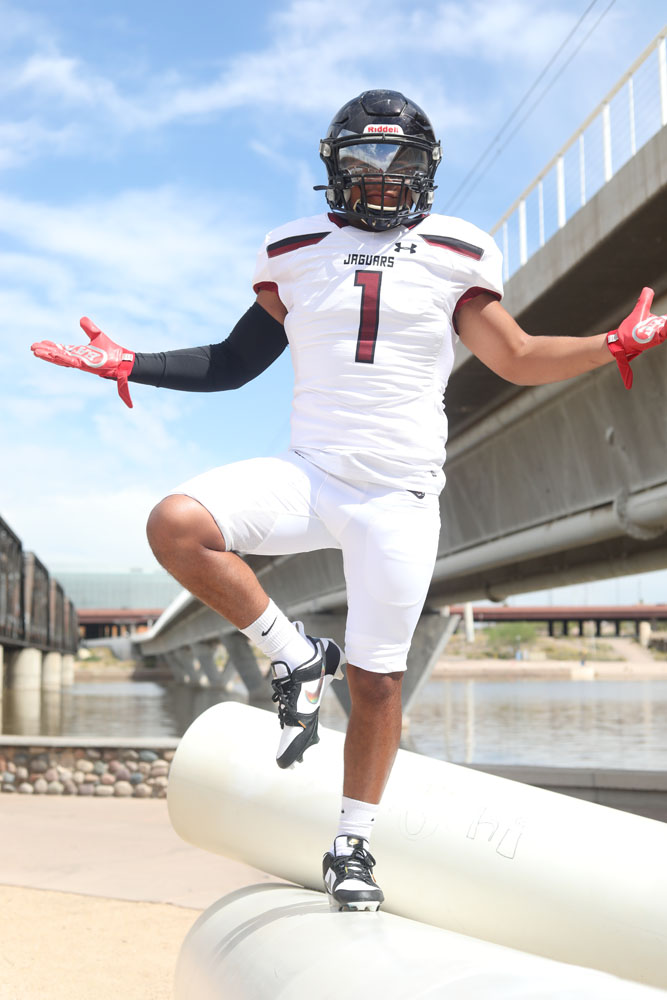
point(456, 848)
point(280, 942)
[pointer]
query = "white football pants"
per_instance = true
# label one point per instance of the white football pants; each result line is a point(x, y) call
point(389, 538)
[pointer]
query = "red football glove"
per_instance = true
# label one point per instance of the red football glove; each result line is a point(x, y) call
point(101, 356)
point(638, 331)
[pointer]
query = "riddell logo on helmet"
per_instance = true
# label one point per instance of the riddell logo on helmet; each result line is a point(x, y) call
point(384, 129)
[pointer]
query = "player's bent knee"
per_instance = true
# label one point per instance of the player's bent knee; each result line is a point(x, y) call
point(373, 687)
point(179, 521)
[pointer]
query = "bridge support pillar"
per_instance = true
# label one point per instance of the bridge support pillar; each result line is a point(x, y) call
point(25, 669)
point(25, 707)
point(434, 630)
point(68, 670)
point(243, 660)
point(2, 669)
point(52, 671)
point(204, 655)
point(181, 663)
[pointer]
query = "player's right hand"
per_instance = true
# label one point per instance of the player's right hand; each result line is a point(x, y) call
point(101, 357)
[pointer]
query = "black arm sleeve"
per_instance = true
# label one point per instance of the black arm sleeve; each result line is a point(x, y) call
point(254, 344)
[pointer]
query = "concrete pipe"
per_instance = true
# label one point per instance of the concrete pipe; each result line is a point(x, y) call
point(456, 848)
point(281, 942)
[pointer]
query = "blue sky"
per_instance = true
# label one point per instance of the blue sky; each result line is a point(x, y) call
point(146, 148)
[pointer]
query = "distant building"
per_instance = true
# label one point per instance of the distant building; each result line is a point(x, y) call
point(115, 604)
point(135, 589)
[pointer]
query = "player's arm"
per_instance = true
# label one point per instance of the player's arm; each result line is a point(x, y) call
point(492, 335)
point(255, 342)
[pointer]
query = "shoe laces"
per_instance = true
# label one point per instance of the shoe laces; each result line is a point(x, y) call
point(358, 864)
point(285, 692)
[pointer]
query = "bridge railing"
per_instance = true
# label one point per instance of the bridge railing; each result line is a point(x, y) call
point(34, 610)
point(631, 113)
point(35, 600)
point(11, 579)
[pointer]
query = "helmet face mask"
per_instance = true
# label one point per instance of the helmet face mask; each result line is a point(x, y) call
point(381, 155)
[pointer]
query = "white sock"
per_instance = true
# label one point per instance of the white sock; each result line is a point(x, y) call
point(278, 638)
point(356, 820)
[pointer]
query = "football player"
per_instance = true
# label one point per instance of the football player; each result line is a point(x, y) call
point(370, 296)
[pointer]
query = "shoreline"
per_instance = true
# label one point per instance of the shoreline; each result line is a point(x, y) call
point(486, 669)
point(456, 669)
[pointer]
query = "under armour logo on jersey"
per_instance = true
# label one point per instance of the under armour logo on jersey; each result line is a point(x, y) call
point(410, 247)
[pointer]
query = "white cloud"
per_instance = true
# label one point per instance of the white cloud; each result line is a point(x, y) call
point(298, 70)
point(23, 140)
point(155, 268)
point(494, 32)
point(431, 50)
point(19, 25)
point(158, 260)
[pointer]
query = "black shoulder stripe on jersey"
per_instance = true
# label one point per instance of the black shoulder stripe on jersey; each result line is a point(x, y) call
point(458, 246)
point(294, 243)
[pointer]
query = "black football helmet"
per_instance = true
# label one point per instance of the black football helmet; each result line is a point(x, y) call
point(381, 155)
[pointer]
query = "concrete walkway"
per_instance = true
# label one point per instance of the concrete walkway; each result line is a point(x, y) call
point(97, 897)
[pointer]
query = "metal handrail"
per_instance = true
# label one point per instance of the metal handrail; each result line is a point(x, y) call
point(518, 211)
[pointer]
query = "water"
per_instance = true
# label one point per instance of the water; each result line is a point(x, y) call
point(614, 724)
point(604, 723)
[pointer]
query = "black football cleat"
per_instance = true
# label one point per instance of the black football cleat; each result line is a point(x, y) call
point(348, 878)
point(299, 695)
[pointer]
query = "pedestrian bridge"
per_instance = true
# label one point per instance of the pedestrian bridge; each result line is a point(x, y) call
point(548, 485)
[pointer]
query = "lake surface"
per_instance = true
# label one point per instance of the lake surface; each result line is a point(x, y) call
point(605, 723)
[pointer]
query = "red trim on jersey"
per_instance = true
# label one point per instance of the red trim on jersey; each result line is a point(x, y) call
point(458, 246)
point(294, 243)
point(337, 221)
point(265, 286)
point(472, 293)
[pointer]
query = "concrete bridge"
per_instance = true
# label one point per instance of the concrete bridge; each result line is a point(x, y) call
point(546, 486)
point(39, 632)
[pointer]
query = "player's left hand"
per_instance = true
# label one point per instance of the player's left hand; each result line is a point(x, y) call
point(638, 331)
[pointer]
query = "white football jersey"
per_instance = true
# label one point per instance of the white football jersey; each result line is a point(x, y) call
point(370, 323)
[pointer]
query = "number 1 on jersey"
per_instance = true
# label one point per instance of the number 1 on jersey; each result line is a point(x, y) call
point(369, 282)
